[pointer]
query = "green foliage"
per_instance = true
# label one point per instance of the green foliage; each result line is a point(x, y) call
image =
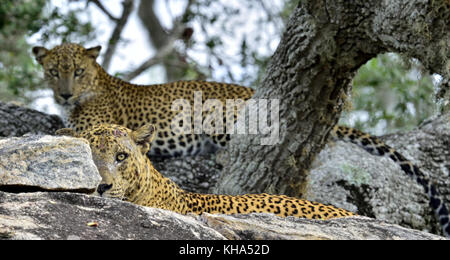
point(66, 26)
point(391, 94)
point(18, 16)
point(17, 69)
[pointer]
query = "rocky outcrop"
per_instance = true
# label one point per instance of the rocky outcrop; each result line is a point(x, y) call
point(51, 163)
point(269, 227)
point(59, 215)
point(32, 164)
point(346, 176)
point(17, 120)
point(343, 175)
point(372, 186)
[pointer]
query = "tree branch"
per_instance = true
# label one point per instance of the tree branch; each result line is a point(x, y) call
point(162, 40)
point(156, 59)
point(103, 9)
point(156, 33)
point(115, 36)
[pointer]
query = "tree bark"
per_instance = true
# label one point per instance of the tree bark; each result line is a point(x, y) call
point(325, 42)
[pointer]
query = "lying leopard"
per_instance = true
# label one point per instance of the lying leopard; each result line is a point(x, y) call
point(90, 96)
point(120, 155)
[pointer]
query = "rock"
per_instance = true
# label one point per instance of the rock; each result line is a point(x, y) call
point(194, 174)
point(47, 163)
point(60, 215)
point(369, 185)
point(270, 227)
point(429, 148)
point(17, 121)
point(346, 176)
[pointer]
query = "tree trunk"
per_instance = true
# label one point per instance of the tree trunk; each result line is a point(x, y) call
point(325, 42)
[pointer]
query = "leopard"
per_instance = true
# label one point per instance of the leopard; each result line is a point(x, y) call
point(120, 155)
point(90, 96)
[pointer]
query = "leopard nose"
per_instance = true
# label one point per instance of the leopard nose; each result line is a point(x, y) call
point(66, 96)
point(103, 187)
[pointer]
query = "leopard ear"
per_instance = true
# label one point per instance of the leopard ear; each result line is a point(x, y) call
point(39, 53)
point(66, 132)
point(94, 52)
point(144, 135)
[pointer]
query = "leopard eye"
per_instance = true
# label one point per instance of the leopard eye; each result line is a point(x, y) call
point(54, 73)
point(79, 72)
point(120, 157)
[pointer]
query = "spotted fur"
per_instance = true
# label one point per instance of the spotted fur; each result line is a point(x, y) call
point(128, 174)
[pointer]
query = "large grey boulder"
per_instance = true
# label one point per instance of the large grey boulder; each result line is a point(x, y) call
point(47, 163)
point(346, 176)
point(370, 185)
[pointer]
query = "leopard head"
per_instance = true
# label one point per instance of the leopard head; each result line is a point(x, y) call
point(71, 71)
point(120, 156)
